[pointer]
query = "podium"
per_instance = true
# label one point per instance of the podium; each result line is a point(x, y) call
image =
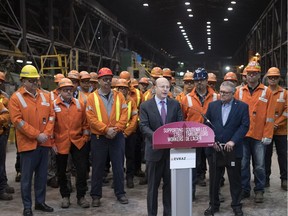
point(182, 138)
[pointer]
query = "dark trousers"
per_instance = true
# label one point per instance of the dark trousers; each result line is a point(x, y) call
point(35, 161)
point(80, 159)
point(201, 166)
point(281, 149)
point(130, 147)
point(3, 177)
point(100, 148)
point(156, 171)
point(138, 149)
point(234, 176)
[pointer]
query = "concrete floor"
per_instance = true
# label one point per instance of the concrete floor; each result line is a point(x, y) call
point(275, 199)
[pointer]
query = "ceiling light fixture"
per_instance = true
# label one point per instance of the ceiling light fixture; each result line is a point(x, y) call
point(190, 15)
point(208, 33)
point(208, 30)
point(208, 23)
point(184, 33)
point(233, 2)
point(230, 9)
point(145, 4)
point(182, 30)
point(187, 3)
point(185, 36)
point(189, 9)
point(178, 23)
point(225, 19)
point(208, 26)
point(181, 27)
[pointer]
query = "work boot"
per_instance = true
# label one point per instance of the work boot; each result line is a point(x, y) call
point(53, 182)
point(238, 211)
point(245, 194)
point(130, 183)
point(18, 177)
point(9, 190)
point(284, 184)
point(259, 198)
point(96, 202)
point(6, 196)
point(83, 202)
point(123, 200)
point(65, 202)
point(139, 173)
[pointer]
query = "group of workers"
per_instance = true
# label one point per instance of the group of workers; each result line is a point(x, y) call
point(92, 119)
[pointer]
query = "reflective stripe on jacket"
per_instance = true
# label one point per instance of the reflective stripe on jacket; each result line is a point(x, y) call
point(132, 117)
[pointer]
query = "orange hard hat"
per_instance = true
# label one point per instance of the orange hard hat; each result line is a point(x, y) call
point(273, 71)
point(144, 80)
point(188, 76)
point(134, 82)
point(84, 75)
point(253, 66)
point(212, 77)
point(156, 72)
point(114, 81)
point(2, 76)
point(244, 72)
point(104, 72)
point(58, 77)
point(122, 83)
point(65, 82)
point(125, 75)
point(94, 77)
point(167, 72)
point(230, 76)
point(73, 74)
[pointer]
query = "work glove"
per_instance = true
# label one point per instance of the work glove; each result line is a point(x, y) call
point(266, 141)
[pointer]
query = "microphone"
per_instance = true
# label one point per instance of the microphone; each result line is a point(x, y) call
point(203, 115)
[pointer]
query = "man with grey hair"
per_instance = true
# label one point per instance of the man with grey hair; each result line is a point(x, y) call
point(229, 118)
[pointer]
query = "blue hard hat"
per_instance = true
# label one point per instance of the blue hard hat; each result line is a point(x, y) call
point(200, 74)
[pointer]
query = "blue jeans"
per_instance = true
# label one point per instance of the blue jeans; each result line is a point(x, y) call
point(34, 162)
point(256, 149)
point(101, 147)
point(3, 178)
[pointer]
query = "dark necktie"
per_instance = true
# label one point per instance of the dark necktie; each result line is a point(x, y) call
point(163, 112)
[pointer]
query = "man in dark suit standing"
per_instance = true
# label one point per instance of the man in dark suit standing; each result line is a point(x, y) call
point(229, 118)
point(154, 113)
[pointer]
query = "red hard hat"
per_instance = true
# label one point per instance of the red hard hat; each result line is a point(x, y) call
point(104, 72)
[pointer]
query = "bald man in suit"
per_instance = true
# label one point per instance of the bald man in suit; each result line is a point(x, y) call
point(158, 161)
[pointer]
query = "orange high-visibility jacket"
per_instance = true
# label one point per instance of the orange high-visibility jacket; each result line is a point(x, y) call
point(136, 95)
point(192, 107)
point(261, 111)
point(82, 96)
point(97, 115)
point(132, 117)
point(4, 98)
point(279, 98)
point(149, 94)
point(180, 97)
point(31, 116)
point(71, 125)
point(54, 94)
point(4, 117)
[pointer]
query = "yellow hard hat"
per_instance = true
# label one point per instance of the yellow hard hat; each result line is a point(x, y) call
point(29, 71)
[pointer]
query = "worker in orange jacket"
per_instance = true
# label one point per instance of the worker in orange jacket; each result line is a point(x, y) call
point(71, 133)
point(143, 84)
point(174, 89)
point(261, 112)
point(52, 180)
point(188, 86)
point(107, 115)
point(156, 73)
point(4, 119)
point(194, 105)
point(33, 117)
point(279, 98)
point(129, 132)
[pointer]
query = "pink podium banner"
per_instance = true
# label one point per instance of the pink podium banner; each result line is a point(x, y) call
point(183, 135)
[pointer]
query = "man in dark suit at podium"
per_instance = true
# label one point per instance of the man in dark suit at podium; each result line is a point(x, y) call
point(229, 118)
point(154, 113)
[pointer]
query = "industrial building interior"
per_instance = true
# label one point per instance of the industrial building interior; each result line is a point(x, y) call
point(57, 36)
